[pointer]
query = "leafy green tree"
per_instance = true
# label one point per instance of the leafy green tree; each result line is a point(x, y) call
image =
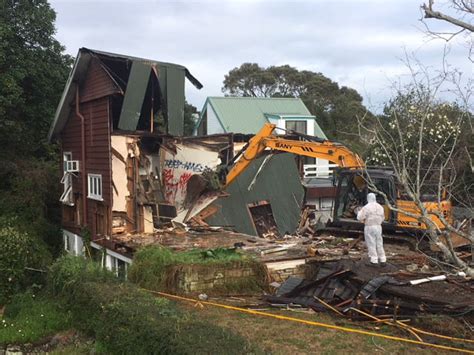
point(335, 107)
point(33, 72)
point(190, 112)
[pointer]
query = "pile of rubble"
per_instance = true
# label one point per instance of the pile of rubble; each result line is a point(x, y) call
point(354, 289)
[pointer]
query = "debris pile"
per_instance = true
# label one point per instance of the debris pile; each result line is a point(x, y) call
point(353, 289)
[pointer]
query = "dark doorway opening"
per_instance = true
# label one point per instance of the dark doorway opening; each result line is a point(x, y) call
point(262, 216)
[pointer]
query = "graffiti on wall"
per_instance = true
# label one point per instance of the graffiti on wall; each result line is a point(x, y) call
point(178, 169)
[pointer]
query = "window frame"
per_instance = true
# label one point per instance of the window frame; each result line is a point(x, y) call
point(67, 156)
point(94, 187)
point(67, 194)
point(296, 122)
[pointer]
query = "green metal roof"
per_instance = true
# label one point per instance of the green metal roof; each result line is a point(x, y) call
point(248, 114)
point(171, 77)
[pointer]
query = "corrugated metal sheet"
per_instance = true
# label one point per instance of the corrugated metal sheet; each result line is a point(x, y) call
point(134, 95)
point(279, 183)
point(247, 114)
point(175, 100)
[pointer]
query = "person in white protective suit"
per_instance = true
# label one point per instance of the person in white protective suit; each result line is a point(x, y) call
point(372, 214)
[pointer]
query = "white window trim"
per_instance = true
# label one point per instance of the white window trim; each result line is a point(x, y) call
point(67, 156)
point(72, 166)
point(66, 197)
point(93, 195)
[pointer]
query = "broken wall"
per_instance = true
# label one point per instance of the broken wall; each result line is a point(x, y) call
point(150, 177)
point(278, 183)
point(187, 160)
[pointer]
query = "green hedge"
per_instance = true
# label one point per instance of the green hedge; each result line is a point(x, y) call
point(22, 258)
point(127, 320)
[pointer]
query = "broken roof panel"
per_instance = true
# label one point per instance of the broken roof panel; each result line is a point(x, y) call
point(279, 184)
point(134, 95)
point(174, 84)
point(80, 68)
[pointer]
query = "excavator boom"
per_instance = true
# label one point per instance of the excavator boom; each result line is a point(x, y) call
point(334, 152)
point(337, 154)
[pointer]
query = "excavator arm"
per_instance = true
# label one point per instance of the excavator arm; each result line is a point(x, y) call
point(334, 152)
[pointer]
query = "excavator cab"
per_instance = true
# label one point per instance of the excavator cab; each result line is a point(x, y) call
point(352, 188)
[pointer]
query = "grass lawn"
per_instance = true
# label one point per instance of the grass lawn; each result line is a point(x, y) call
point(29, 318)
point(285, 337)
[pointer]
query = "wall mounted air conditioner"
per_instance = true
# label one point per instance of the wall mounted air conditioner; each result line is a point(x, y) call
point(72, 166)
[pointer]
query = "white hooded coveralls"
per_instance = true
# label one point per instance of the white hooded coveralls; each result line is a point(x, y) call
point(372, 214)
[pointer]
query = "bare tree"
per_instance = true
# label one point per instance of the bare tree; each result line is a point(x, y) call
point(458, 13)
point(461, 7)
point(423, 139)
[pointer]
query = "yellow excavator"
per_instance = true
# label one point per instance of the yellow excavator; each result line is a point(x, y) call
point(351, 179)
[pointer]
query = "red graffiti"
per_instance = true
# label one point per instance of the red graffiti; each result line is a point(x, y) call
point(175, 185)
point(183, 180)
point(167, 176)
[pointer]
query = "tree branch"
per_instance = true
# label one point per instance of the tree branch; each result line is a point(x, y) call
point(430, 13)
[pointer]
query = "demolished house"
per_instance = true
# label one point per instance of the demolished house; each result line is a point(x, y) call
point(123, 169)
point(126, 166)
point(279, 211)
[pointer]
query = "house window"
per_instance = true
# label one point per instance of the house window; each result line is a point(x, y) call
point(67, 243)
point(297, 126)
point(117, 266)
point(95, 187)
point(67, 156)
point(66, 197)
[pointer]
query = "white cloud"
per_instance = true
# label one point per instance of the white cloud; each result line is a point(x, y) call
point(356, 43)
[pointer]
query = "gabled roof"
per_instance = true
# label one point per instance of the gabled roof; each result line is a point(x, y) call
point(77, 74)
point(247, 115)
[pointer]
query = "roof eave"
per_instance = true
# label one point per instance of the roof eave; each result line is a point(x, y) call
point(63, 108)
point(188, 74)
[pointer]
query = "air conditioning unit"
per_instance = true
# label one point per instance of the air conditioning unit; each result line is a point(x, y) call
point(72, 166)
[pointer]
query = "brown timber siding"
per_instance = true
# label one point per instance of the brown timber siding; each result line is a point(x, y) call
point(97, 133)
point(71, 142)
point(97, 83)
point(96, 115)
point(322, 191)
point(95, 89)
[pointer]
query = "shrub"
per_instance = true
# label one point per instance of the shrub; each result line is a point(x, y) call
point(127, 320)
point(22, 257)
point(68, 274)
point(29, 193)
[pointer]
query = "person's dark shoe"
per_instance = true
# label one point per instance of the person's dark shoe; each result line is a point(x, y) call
point(383, 264)
point(368, 263)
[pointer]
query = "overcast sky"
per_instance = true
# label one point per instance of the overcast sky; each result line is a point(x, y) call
point(355, 43)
